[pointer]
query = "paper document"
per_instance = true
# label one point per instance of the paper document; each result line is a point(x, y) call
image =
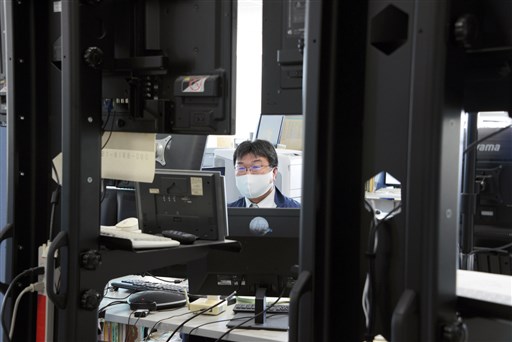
point(126, 156)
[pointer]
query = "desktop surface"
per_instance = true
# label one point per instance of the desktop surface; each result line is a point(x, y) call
point(203, 325)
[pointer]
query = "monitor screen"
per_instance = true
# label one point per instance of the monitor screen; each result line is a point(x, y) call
point(269, 128)
point(269, 241)
point(493, 176)
point(169, 66)
point(184, 200)
point(282, 56)
point(292, 133)
point(493, 217)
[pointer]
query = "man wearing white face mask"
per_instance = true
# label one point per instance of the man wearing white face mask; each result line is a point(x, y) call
point(256, 171)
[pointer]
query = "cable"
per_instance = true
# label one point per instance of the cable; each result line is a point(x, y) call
point(128, 330)
point(176, 281)
point(54, 202)
point(104, 192)
point(367, 294)
point(38, 271)
point(117, 302)
point(200, 313)
point(368, 300)
point(128, 295)
point(500, 249)
point(475, 143)
point(110, 132)
point(222, 320)
point(109, 105)
point(39, 286)
point(163, 319)
point(253, 317)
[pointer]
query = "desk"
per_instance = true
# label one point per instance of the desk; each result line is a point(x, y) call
point(215, 328)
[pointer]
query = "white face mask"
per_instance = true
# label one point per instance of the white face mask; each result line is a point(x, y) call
point(253, 186)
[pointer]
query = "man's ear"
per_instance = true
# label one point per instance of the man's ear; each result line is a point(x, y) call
point(275, 172)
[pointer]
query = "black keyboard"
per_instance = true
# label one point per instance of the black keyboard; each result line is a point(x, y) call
point(147, 285)
point(276, 309)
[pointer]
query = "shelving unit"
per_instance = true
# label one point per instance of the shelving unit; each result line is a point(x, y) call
point(55, 52)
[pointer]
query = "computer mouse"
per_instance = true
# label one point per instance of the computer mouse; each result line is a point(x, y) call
point(130, 223)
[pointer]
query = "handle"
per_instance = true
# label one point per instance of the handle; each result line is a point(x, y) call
point(405, 320)
point(5, 233)
point(302, 286)
point(59, 300)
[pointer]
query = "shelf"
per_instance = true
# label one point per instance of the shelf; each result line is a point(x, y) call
point(117, 263)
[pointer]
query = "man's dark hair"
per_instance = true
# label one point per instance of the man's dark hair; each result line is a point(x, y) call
point(258, 147)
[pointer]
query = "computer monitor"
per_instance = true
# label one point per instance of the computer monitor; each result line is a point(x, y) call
point(269, 128)
point(269, 241)
point(186, 200)
point(283, 131)
point(177, 151)
point(292, 135)
point(493, 218)
point(282, 56)
point(263, 266)
point(494, 178)
point(168, 66)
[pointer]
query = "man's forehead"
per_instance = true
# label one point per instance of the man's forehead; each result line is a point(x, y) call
point(251, 157)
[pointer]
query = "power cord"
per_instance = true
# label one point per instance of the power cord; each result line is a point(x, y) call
point(39, 287)
point(153, 328)
point(102, 310)
point(200, 313)
point(128, 327)
point(175, 281)
point(252, 317)
point(32, 271)
point(368, 300)
point(191, 332)
point(109, 106)
point(54, 202)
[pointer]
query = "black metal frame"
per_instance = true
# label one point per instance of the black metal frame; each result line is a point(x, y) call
point(403, 117)
point(36, 75)
point(27, 145)
point(367, 109)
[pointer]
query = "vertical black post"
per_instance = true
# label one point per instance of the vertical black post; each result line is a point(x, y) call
point(260, 306)
point(28, 166)
point(81, 147)
point(332, 190)
point(468, 199)
point(388, 104)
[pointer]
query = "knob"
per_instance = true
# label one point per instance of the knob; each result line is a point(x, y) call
point(90, 299)
point(466, 31)
point(91, 260)
point(93, 56)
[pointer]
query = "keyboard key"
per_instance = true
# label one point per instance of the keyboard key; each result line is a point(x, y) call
point(276, 309)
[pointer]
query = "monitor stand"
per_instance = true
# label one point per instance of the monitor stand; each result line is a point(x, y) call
point(261, 321)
